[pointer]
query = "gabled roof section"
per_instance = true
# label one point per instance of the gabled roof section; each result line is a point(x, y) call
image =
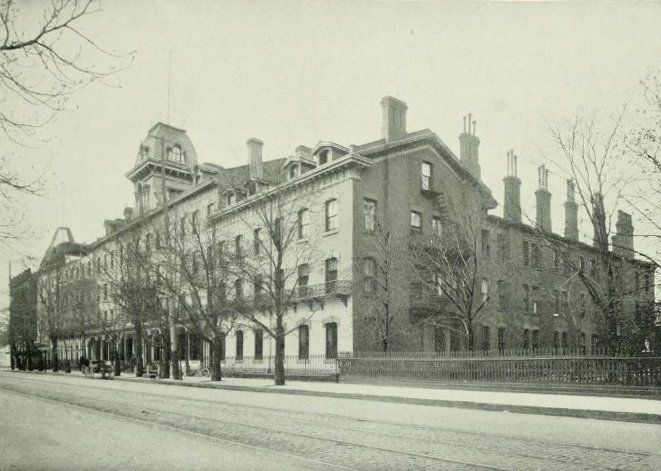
point(381, 148)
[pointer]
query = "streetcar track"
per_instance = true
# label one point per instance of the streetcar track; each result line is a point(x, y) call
point(300, 415)
point(343, 417)
point(227, 422)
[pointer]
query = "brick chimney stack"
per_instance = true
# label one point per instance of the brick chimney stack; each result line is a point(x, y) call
point(600, 235)
point(512, 206)
point(394, 118)
point(543, 195)
point(468, 147)
point(255, 158)
point(623, 238)
point(571, 212)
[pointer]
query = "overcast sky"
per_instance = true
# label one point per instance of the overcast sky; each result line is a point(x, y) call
point(297, 73)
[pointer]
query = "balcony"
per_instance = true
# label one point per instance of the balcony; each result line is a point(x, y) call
point(339, 288)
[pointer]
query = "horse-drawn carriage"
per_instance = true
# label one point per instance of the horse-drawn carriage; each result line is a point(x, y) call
point(99, 366)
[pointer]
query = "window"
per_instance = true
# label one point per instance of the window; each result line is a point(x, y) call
point(556, 342)
point(369, 211)
point(158, 240)
point(259, 344)
point(565, 303)
point(526, 254)
point(105, 291)
point(526, 339)
point(193, 221)
point(331, 340)
point(426, 176)
point(484, 289)
point(174, 154)
point(486, 247)
point(257, 287)
point(556, 302)
point(331, 215)
point(256, 242)
point(303, 342)
point(582, 343)
point(437, 226)
point(369, 270)
point(331, 274)
point(303, 223)
point(416, 221)
point(526, 298)
point(536, 256)
point(323, 157)
point(292, 172)
point(648, 283)
point(581, 305)
point(486, 340)
point(501, 340)
point(238, 243)
point(230, 199)
point(564, 342)
point(503, 247)
point(501, 296)
point(209, 209)
point(535, 299)
point(238, 289)
point(239, 344)
point(303, 280)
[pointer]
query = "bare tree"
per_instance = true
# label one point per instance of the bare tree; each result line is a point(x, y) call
point(193, 273)
point(457, 275)
point(51, 315)
point(593, 154)
point(45, 56)
point(272, 266)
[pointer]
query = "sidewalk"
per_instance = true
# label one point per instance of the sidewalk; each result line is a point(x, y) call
point(598, 407)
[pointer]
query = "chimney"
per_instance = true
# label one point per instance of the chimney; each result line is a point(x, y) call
point(543, 199)
point(394, 118)
point(512, 207)
point(600, 236)
point(255, 158)
point(571, 212)
point(468, 144)
point(623, 238)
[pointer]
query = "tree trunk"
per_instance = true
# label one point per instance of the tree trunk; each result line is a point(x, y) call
point(12, 356)
point(216, 354)
point(188, 354)
point(175, 366)
point(54, 342)
point(165, 357)
point(137, 347)
point(471, 339)
point(279, 353)
point(115, 359)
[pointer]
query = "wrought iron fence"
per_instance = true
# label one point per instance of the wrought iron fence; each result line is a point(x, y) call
point(638, 371)
point(314, 365)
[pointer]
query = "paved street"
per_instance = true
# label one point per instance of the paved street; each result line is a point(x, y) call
point(69, 422)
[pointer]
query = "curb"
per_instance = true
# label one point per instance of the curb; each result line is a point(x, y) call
point(637, 417)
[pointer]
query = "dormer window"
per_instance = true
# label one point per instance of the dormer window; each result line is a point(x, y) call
point(231, 198)
point(323, 157)
point(144, 152)
point(252, 188)
point(292, 172)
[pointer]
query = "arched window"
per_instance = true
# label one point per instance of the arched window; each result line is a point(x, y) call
point(303, 342)
point(239, 344)
point(175, 154)
point(331, 340)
